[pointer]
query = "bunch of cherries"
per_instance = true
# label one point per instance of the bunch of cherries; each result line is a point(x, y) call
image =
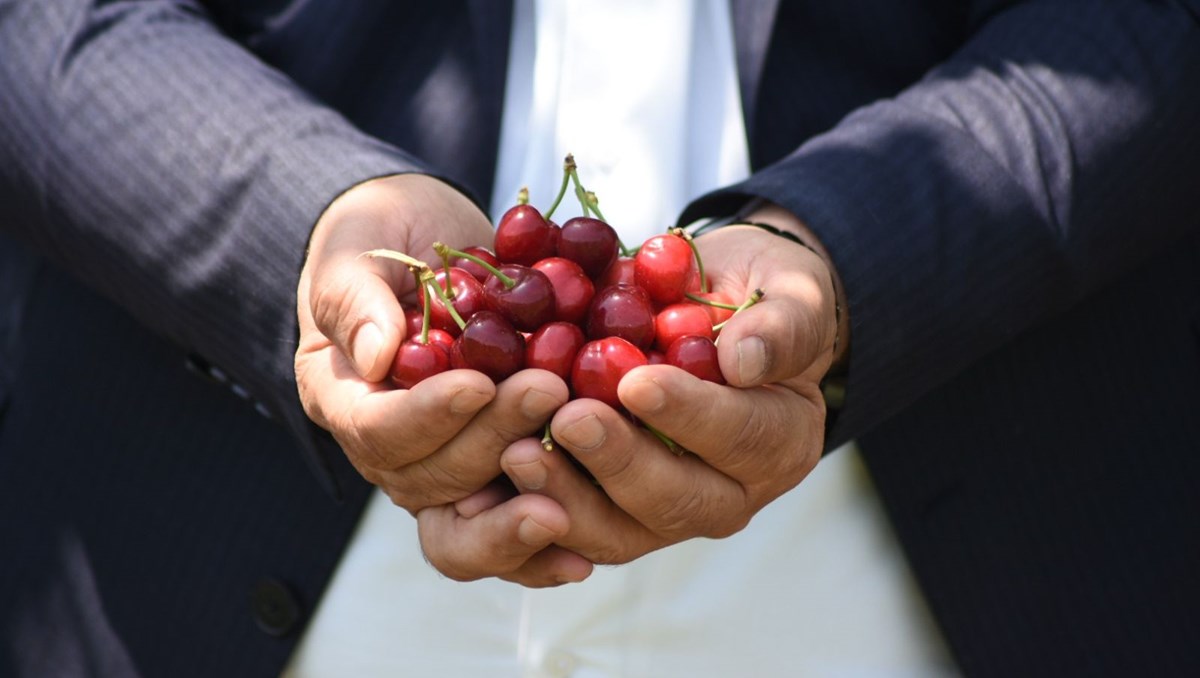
point(572, 300)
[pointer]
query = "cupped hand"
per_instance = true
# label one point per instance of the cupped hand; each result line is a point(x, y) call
point(748, 443)
point(441, 440)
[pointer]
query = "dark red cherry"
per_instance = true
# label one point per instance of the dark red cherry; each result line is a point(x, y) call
point(599, 367)
point(589, 242)
point(573, 290)
point(491, 345)
point(622, 311)
point(523, 236)
point(656, 357)
point(678, 320)
point(663, 267)
point(416, 362)
point(413, 320)
point(554, 348)
point(440, 337)
point(478, 272)
point(697, 355)
point(528, 303)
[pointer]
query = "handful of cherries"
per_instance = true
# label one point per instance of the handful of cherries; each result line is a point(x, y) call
point(572, 300)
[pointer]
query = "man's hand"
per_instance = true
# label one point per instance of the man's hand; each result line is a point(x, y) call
point(440, 441)
point(749, 442)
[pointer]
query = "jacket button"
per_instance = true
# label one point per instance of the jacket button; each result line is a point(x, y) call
point(275, 608)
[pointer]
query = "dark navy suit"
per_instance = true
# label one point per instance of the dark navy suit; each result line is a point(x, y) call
point(1008, 190)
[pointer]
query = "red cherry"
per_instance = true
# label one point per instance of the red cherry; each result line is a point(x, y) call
point(656, 357)
point(599, 367)
point(697, 355)
point(678, 320)
point(554, 348)
point(466, 295)
point(413, 321)
point(523, 236)
point(440, 337)
point(573, 291)
point(478, 272)
point(528, 303)
point(622, 311)
point(663, 266)
point(621, 271)
point(416, 362)
point(589, 242)
point(491, 345)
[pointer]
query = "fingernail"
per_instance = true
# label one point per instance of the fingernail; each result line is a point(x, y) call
point(752, 359)
point(529, 476)
point(368, 341)
point(585, 434)
point(468, 401)
point(537, 404)
point(533, 533)
point(645, 395)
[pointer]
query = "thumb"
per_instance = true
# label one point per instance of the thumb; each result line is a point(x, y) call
point(358, 311)
point(787, 334)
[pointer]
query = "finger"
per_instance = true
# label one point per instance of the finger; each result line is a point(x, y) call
point(352, 301)
point(471, 458)
point(387, 429)
point(600, 530)
point(749, 434)
point(552, 566)
point(496, 542)
point(777, 339)
point(674, 496)
point(491, 495)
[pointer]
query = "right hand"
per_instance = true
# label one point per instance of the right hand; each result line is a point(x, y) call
point(440, 441)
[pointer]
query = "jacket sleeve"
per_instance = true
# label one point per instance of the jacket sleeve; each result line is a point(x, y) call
point(174, 172)
point(1053, 152)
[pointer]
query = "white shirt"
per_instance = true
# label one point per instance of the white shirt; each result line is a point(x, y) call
point(645, 96)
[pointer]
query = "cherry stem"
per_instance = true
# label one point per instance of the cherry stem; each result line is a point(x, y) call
point(711, 302)
point(443, 250)
point(523, 196)
point(547, 439)
point(755, 297)
point(591, 204)
point(425, 312)
point(430, 283)
point(445, 267)
point(394, 255)
point(666, 440)
point(687, 237)
point(568, 167)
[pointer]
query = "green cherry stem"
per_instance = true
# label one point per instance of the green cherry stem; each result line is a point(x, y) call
point(425, 312)
point(711, 302)
point(671, 444)
point(755, 297)
point(441, 248)
point(430, 283)
point(687, 237)
point(523, 196)
point(568, 167)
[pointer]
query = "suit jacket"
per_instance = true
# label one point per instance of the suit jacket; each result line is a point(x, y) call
point(1005, 188)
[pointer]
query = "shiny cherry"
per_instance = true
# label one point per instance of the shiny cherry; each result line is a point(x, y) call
point(678, 320)
point(416, 362)
point(465, 293)
point(622, 311)
point(573, 290)
point(491, 345)
point(717, 314)
point(663, 267)
point(524, 295)
point(697, 355)
point(599, 367)
point(589, 242)
point(523, 236)
point(554, 348)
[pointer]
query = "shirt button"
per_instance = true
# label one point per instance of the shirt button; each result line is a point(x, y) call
point(560, 664)
point(274, 606)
